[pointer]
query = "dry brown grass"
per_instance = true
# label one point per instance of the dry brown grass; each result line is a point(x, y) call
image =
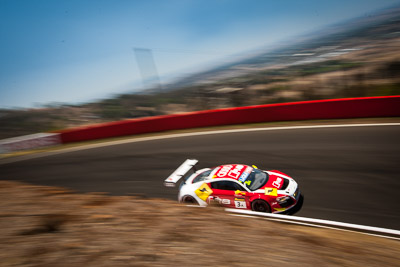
point(47, 226)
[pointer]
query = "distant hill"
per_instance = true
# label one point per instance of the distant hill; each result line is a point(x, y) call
point(356, 58)
point(334, 39)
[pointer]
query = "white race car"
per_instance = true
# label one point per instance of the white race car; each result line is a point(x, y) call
point(237, 186)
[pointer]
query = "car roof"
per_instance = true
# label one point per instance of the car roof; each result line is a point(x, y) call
point(231, 171)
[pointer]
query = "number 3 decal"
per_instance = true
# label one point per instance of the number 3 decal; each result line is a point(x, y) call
point(240, 204)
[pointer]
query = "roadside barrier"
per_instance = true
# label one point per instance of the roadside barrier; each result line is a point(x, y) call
point(32, 141)
point(387, 106)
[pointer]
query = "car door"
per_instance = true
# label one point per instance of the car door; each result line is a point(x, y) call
point(229, 194)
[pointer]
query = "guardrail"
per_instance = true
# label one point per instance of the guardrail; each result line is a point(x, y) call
point(32, 141)
point(387, 106)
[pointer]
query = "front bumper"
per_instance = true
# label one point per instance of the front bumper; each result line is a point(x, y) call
point(297, 206)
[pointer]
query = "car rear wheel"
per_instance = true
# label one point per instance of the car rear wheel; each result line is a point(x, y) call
point(189, 200)
point(260, 205)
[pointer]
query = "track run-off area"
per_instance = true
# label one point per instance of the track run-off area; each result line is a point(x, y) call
point(347, 173)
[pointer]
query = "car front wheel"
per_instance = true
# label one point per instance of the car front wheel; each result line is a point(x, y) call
point(260, 205)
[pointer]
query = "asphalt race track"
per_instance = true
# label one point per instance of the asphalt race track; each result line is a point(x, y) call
point(347, 174)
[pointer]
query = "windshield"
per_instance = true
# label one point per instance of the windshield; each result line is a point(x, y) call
point(256, 180)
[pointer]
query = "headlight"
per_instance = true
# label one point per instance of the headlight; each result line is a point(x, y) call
point(285, 201)
point(282, 199)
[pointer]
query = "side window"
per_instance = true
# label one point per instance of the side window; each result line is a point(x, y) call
point(239, 187)
point(202, 176)
point(226, 185)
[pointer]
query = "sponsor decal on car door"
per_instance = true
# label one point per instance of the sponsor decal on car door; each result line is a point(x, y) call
point(224, 197)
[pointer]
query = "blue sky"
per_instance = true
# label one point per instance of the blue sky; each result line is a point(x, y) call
point(81, 50)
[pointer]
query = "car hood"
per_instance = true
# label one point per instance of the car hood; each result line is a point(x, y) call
point(277, 180)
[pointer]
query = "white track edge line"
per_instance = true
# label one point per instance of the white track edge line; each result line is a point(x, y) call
point(318, 221)
point(311, 222)
point(318, 226)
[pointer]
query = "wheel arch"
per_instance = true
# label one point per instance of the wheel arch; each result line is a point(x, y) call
point(260, 200)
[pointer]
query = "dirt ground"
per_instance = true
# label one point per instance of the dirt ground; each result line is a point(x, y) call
point(49, 226)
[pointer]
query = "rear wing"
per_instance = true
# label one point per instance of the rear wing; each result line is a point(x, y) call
point(180, 172)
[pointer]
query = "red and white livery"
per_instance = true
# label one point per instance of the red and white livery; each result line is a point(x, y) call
point(237, 186)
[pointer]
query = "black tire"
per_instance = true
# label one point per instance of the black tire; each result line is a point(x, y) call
point(189, 200)
point(260, 205)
